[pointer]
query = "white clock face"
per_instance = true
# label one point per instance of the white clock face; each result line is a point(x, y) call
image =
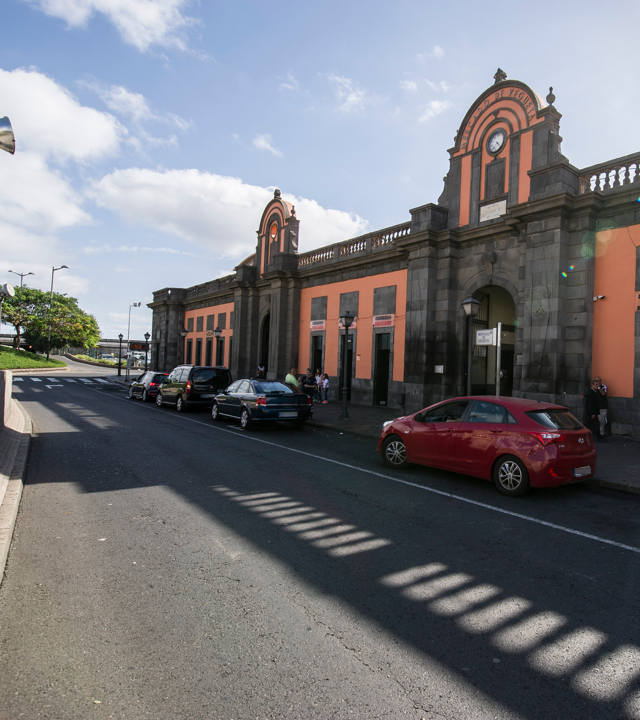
point(496, 141)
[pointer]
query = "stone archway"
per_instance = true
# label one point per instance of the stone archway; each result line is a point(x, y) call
point(497, 305)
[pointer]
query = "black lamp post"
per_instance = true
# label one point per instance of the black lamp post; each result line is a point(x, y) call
point(217, 332)
point(53, 270)
point(146, 349)
point(470, 307)
point(183, 334)
point(120, 354)
point(346, 321)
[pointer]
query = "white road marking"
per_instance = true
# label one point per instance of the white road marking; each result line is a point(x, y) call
point(442, 493)
point(54, 380)
point(36, 379)
point(70, 380)
point(17, 379)
point(52, 386)
point(100, 380)
point(84, 380)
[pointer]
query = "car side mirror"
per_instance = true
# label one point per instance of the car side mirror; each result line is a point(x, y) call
point(419, 417)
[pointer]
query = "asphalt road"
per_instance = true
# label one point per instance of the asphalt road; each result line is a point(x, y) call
point(166, 567)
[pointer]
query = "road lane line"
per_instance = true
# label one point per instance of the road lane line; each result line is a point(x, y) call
point(442, 493)
point(36, 379)
point(18, 379)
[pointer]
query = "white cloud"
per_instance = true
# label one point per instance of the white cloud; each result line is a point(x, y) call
point(264, 142)
point(141, 23)
point(437, 52)
point(435, 107)
point(290, 83)
point(351, 97)
point(49, 120)
point(98, 249)
point(441, 86)
point(124, 102)
point(409, 85)
point(213, 211)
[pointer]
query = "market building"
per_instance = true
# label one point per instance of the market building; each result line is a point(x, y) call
point(548, 249)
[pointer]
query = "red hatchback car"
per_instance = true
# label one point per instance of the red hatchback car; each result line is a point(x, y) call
point(517, 443)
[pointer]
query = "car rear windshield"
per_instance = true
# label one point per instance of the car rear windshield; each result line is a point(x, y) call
point(207, 375)
point(160, 377)
point(272, 387)
point(555, 419)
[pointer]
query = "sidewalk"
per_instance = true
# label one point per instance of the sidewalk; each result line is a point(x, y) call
point(618, 460)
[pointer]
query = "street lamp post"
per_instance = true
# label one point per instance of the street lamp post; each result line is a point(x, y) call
point(136, 305)
point(470, 307)
point(53, 270)
point(120, 354)
point(183, 334)
point(146, 349)
point(347, 319)
point(217, 332)
point(22, 275)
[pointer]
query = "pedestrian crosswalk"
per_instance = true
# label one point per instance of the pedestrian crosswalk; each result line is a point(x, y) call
point(57, 382)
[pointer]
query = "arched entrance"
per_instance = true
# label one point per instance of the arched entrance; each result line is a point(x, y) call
point(496, 305)
point(263, 357)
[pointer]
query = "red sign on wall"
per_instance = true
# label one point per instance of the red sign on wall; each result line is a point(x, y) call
point(317, 325)
point(383, 321)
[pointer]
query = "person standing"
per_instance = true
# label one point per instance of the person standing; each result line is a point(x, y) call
point(261, 373)
point(325, 389)
point(592, 402)
point(291, 378)
point(603, 404)
point(309, 384)
point(318, 394)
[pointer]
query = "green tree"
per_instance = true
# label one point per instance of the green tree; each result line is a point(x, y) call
point(29, 312)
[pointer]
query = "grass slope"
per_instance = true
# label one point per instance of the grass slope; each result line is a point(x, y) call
point(95, 361)
point(11, 359)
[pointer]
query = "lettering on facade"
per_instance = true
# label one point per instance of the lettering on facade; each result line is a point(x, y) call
point(383, 321)
point(317, 325)
point(493, 211)
point(505, 93)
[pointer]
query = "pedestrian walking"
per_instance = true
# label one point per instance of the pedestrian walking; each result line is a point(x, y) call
point(325, 389)
point(318, 394)
point(592, 402)
point(308, 384)
point(292, 377)
point(603, 404)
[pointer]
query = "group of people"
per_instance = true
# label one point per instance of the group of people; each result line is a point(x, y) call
point(315, 386)
point(596, 408)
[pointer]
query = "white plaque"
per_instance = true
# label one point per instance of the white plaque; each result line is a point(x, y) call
point(486, 337)
point(493, 211)
point(439, 369)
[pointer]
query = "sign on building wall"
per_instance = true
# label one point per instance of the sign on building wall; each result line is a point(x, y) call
point(493, 211)
point(317, 325)
point(383, 321)
point(486, 337)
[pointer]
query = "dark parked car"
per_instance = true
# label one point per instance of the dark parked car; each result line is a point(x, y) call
point(262, 400)
point(146, 386)
point(191, 386)
point(517, 443)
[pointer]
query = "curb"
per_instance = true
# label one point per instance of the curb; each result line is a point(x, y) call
point(13, 493)
point(88, 362)
point(344, 430)
point(610, 485)
point(30, 371)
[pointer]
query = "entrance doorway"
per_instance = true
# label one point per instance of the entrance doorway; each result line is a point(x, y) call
point(316, 353)
point(263, 358)
point(496, 305)
point(381, 376)
point(349, 366)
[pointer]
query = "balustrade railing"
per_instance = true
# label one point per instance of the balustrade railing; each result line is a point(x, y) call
point(364, 244)
point(610, 175)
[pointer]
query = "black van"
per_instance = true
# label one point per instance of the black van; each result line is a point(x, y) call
point(192, 385)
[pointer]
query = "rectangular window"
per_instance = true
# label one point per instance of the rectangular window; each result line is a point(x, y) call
point(190, 324)
point(222, 321)
point(189, 352)
point(199, 323)
point(207, 360)
point(231, 319)
point(198, 359)
point(220, 352)
point(210, 321)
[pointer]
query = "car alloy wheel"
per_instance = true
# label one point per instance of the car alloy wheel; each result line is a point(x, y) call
point(394, 452)
point(180, 404)
point(215, 412)
point(510, 476)
point(245, 419)
point(130, 394)
point(159, 400)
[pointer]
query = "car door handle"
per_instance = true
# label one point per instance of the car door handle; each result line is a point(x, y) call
point(496, 432)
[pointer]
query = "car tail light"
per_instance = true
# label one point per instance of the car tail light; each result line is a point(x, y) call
point(546, 438)
point(553, 472)
point(189, 386)
point(261, 400)
point(309, 400)
point(152, 384)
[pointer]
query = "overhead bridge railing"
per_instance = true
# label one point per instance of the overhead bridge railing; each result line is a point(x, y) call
point(610, 175)
point(365, 244)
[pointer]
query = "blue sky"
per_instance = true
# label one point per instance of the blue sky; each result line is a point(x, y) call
point(151, 133)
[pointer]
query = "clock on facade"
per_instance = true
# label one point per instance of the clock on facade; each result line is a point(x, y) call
point(496, 141)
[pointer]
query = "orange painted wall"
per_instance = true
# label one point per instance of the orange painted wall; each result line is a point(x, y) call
point(364, 322)
point(226, 333)
point(614, 317)
point(526, 158)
